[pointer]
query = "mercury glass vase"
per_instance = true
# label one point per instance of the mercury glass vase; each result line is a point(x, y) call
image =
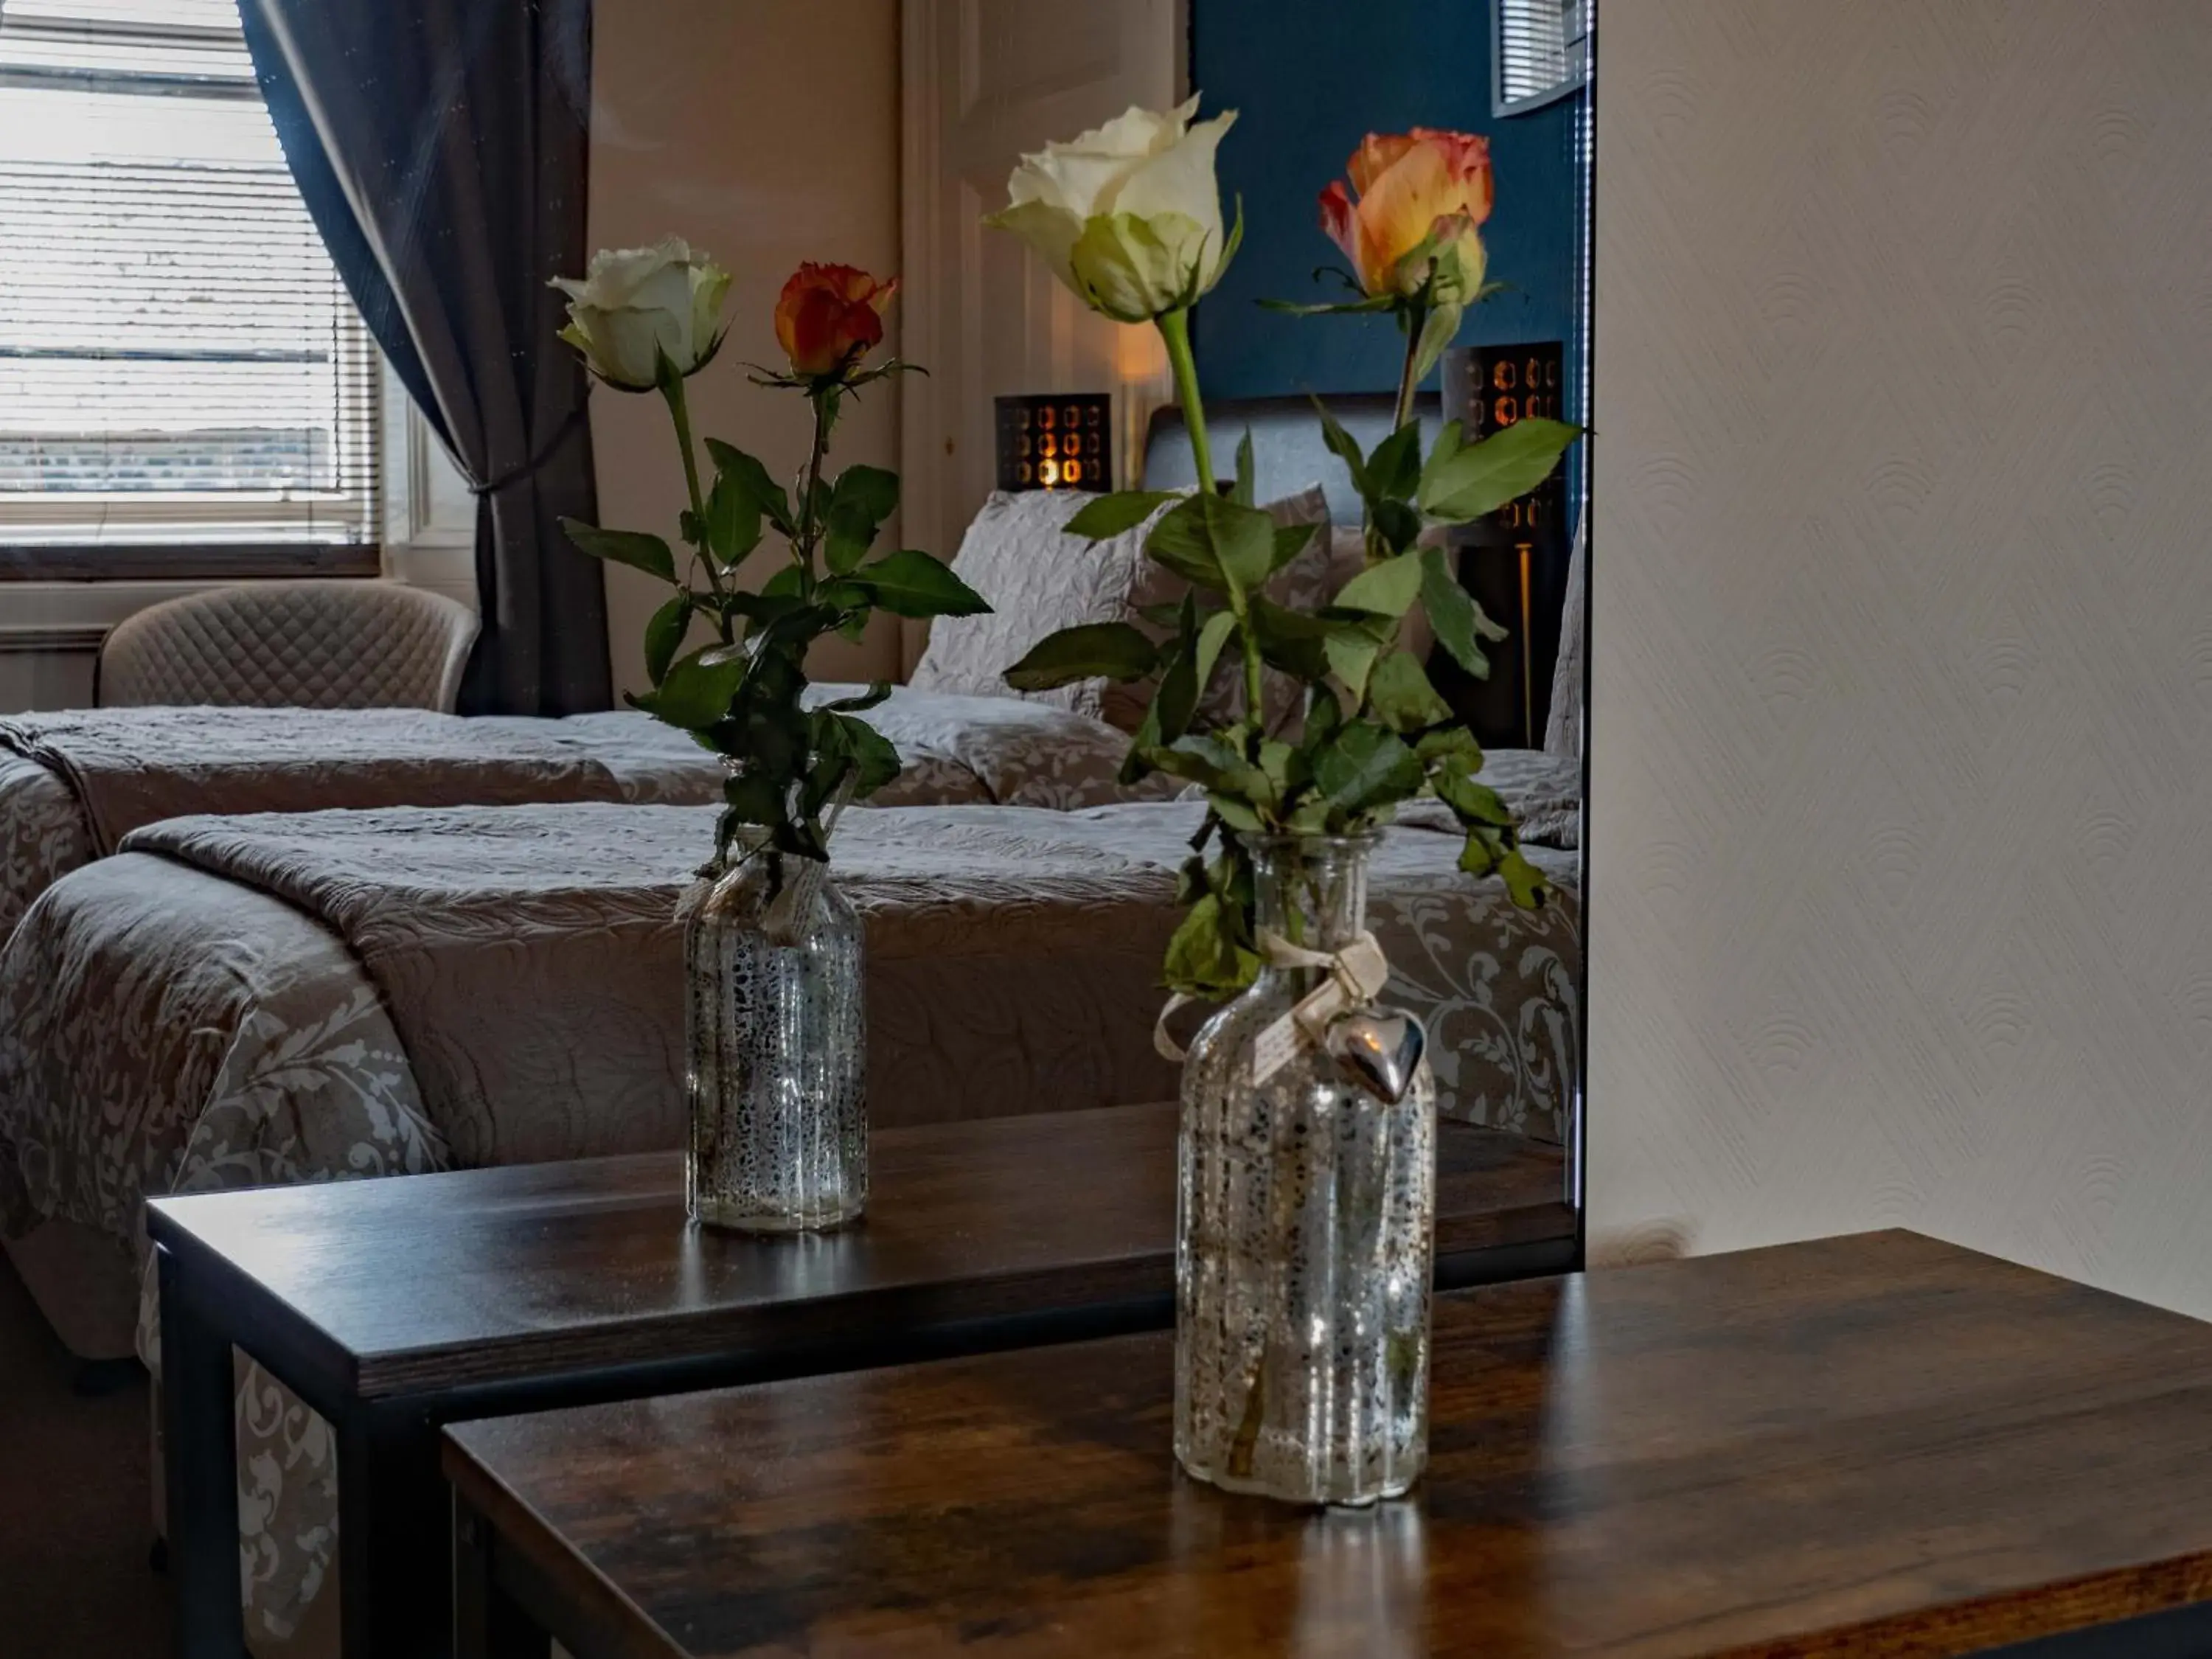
point(776, 1071)
point(1306, 1224)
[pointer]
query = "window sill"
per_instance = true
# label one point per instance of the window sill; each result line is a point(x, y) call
point(37, 562)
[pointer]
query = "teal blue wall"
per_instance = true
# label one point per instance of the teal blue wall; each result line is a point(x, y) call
point(1310, 78)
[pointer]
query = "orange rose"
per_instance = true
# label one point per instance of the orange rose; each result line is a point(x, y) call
point(830, 317)
point(1421, 195)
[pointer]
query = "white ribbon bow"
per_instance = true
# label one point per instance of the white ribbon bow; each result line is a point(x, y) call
point(1357, 975)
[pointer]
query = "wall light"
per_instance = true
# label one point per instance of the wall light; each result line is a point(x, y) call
point(1064, 441)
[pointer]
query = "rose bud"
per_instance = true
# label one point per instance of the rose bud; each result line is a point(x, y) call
point(637, 306)
point(830, 317)
point(1421, 195)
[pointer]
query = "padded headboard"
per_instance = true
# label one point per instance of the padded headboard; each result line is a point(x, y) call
point(1288, 451)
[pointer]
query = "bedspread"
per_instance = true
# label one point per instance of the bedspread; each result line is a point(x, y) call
point(235, 1001)
point(73, 784)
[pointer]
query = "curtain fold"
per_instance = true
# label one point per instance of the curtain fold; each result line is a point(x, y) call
point(442, 147)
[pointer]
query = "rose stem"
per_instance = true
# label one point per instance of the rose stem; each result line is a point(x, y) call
point(825, 400)
point(1175, 329)
point(679, 412)
point(1415, 318)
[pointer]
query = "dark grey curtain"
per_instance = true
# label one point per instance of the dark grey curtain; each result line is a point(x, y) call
point(441, 146)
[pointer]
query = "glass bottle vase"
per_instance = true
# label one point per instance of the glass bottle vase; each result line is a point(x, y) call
point(776, 1069)
point(1306, 1226)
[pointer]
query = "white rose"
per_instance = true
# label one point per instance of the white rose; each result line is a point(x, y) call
point(635, 303)
point(1128, 215)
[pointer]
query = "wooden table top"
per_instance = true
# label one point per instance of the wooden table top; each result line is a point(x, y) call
point(484, 1276)
point(1873, 1445)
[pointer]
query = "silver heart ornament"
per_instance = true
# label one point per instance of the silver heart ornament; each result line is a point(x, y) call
point(1381, 1053)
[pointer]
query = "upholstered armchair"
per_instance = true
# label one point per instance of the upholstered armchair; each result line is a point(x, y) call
point(295, 644)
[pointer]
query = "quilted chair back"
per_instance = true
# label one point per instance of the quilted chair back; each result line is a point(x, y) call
point(291, 645)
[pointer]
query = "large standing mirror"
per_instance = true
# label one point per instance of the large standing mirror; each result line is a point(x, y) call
point(509, 675)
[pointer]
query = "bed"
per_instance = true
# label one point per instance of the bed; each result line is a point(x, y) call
point(74, 784)
point(277, 997)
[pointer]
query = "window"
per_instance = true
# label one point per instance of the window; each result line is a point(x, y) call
point(179, 363)
point(1542, 51)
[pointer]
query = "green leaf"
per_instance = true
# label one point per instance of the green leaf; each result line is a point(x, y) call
point(753, 797)
point(1203, 959)
point(1243, 540)
point(1387, 589)
point(1394, 470)
point(1351, 656)
point(880, 691)
point(1202, 757)
point(1339, 309)
point(633, 547)
point(697, 689)
point(1144, 744)
point(1398, 523)
point(1346, 448)
point(1324, 716)
point(1364, 767)
point(1181, 542)
point(1176, 700)
point(664, 636)
point(846, 594)
point(748, 477)
point(1290, 540)
point(1401, 696)
point(1117, 514)
point(1290, 640)
point(1524, 882)
point(863, 498)
point(1467, 482)
point(1453, 743)
point(1237, 814)
point(1213, 638)
point(911, 583)
point(1489, 850)
point(1437, 333)
point(733, 523)
point(1284, 767)
point(873, 754)
point(1454, 617)
point(1472, 802)
point(1244, 495)
point(868, 494)
point(1111, 651)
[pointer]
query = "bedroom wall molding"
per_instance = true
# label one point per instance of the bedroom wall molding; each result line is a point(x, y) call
point(57, 641)
point(1902, 637)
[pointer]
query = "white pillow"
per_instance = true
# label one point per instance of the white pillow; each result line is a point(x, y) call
point(1038, 580)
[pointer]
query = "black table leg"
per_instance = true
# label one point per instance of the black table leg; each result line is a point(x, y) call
point(394, 1515)
point(488, 1623)
point(201, 1465)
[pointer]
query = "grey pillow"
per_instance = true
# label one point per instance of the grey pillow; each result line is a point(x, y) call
point(1039, 580)
point(1563, 733)
point(1017, 554)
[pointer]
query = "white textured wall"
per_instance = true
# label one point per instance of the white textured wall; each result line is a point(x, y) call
point(1901, 873)
point(767, 132)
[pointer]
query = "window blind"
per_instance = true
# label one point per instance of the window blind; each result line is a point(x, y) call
point(178, 361)
point(1541, 48)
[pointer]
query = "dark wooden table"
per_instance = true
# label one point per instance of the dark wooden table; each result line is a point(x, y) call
point(394, 1306)
point(1879, 1445)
